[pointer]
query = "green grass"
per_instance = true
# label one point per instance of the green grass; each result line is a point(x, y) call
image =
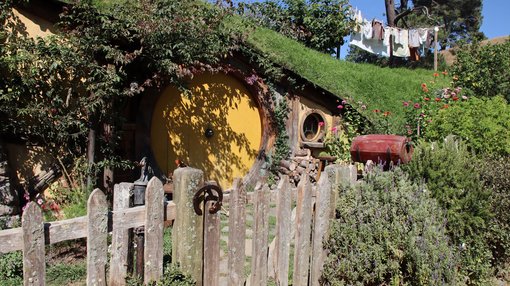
point(378, 88)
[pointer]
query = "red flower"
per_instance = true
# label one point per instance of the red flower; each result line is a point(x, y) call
point(445, 106)
point(405, 103)
point(426, 99)
point(340, 106)
point(423, 85)
point(386, 113)
point(455, 98)
point(437, 99)
point(444, 72)
point(416, 105)
point(376, 110)
point(321, 124)
point(436, 74)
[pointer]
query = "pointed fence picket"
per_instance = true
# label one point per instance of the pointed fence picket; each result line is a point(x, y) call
point(304, 227)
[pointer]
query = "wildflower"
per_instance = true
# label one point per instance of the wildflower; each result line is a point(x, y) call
point(321, 124)
point(426, 99)
point(446, 95)
point(334, 129)
point(344, 102)
point(425, 90)
point(416, 105)
point(405, 103)
point(423, 85)
point(422, 114)
point(409, 131)
point(455, 98)
point(39, 201)
point(376, 110)
point(464, 97)
point(436, 74)
point(430, 120)
point(444, 72)
point(445, 106)
point(340, 106)
point(455, 77)
point(386, 113)
point(437, 99)
point(363, 107)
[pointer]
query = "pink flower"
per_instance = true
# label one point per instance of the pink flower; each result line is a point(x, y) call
point(416, 105)
point(344, 102)
point(39, 201)
point(321, 124)
point(333, 129)
point(363, 107)
point(405, 103)
point(340, 106)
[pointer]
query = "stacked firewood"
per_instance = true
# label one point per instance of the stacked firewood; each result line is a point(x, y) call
point(301, 162)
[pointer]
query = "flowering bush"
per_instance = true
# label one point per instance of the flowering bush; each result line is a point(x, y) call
point(49, 207)
point(339, 138)
point(420, 112)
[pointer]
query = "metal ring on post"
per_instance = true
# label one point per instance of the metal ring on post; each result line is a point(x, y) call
point(205, 194)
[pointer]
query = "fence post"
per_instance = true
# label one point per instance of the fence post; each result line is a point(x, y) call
point(303, 231)
point(341, 176)
point(236, 234)
point(97, 215)
point(154, 221)
point(211, 246)
point(34, 264)
point(283, 237)
point(120, 238)
point(260, 237)
point(321, 227)
point(187, 238)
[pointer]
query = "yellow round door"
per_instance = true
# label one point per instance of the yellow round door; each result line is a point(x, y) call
point(216, 128)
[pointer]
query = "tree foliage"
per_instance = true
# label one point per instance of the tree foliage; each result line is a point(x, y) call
point(484, 70)
point(319, 24)
point(54, 89)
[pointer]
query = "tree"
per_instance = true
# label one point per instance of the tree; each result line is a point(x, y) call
point(54, 92)
point(319, 24)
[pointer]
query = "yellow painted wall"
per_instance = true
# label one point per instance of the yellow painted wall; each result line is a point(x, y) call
point(179, 122)
point(35, 26)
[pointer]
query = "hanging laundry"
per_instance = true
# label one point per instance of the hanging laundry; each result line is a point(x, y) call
point(377, 29)
point(422, 33)
point(414, 38)
point(414, 54)
point(365, 41)
point(401, 44)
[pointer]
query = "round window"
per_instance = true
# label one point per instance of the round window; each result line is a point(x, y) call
point(312, 125)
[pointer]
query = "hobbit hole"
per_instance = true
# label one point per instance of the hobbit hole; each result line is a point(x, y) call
point(217, 128)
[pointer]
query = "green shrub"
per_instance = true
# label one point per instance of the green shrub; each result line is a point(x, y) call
point(483, 124)
point(65, 273)
point(495, 174)
point(388, 231)
point(484, 71)
point(11, 265)
point(449, 171)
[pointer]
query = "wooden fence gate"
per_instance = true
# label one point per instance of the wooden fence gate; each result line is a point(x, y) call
point(300, 222)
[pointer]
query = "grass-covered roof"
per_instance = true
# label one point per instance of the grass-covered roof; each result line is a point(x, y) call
point(378, 88)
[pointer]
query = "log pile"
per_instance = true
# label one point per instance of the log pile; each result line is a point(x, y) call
point(301, 162)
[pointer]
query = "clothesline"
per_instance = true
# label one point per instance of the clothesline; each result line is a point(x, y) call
point(375, 38)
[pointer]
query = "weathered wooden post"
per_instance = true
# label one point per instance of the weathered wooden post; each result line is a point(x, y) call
point(120, 238)
point(34, 265)
point(97, 246)
point(187, 238)
point(341, 176)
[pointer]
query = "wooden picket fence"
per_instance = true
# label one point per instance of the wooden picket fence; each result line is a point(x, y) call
point(306, 226)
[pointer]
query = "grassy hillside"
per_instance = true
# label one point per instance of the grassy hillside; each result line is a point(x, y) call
point(378, 88)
